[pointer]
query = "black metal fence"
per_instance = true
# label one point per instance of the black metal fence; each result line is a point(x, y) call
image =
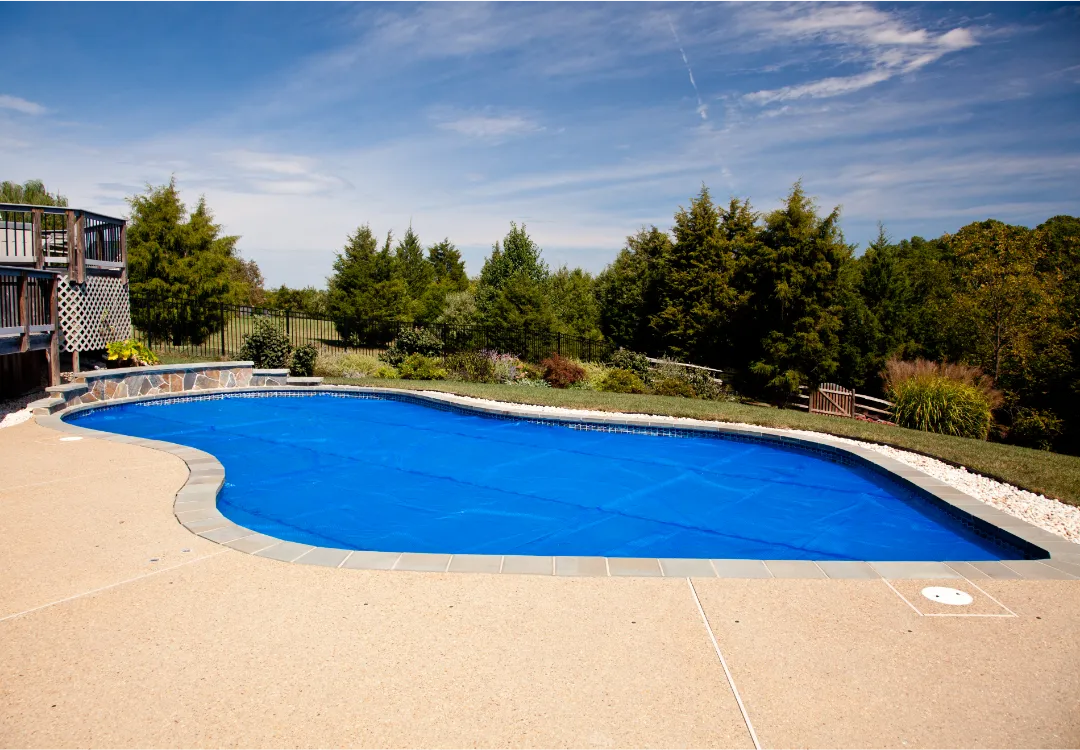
point(214, 330)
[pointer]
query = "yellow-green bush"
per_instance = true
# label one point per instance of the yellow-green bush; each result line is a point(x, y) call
point(935, 403)
point(622, 381)
point(420, 367)
point(347, 365)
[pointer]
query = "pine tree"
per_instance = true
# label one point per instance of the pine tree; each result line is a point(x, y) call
point(627, 290)
point(697, 299)
point(415, 269)
point(366, 285)
point(793, 312)
point(513, 285)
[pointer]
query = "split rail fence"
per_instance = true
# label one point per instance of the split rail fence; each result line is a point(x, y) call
point(835, 400)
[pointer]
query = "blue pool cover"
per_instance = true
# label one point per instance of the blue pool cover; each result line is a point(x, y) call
point(376, 474)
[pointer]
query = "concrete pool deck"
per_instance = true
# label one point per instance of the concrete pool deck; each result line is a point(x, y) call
point(209, 646)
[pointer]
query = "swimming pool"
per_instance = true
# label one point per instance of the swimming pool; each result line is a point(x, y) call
point(389, 475)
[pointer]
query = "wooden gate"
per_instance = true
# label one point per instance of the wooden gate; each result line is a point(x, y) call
point(830, 398)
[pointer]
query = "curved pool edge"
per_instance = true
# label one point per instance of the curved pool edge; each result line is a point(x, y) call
point(195, 506)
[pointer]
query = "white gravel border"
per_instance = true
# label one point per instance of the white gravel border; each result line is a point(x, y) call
point(1045, 512)
point(14, 411)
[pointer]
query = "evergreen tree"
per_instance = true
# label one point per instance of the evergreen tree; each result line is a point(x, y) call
point(573, 300)
point(416, 271)
point(513, 284)
point(366, 285)
point(448, 266)
point(626, 290)
point(448, 277)
point(696, 296)
point(793, 312)
point(176, 255)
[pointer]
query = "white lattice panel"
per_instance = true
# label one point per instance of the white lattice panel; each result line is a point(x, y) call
point(93, 313)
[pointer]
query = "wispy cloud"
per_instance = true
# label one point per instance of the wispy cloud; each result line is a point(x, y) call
point(275, 173)
point(19, 104)
point(486, 125)
point(862, 35)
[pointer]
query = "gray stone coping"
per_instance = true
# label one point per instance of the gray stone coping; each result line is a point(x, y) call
point(195, 506)
point(282, 372)
point(156, 369)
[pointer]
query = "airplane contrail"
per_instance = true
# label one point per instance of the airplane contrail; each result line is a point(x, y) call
point(701, 108)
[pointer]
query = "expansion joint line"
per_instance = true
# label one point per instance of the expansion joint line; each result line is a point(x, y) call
point(113, 585)
point(723, 663)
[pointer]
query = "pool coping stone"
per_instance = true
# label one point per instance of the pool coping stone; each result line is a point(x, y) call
point(195, 505)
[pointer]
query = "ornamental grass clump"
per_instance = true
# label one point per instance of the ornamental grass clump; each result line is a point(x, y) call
point(944, 398)
point(347, 365)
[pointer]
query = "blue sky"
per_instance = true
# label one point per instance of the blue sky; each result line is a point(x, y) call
point(300, 122)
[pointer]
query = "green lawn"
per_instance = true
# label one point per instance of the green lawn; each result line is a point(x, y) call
point(1051, 474)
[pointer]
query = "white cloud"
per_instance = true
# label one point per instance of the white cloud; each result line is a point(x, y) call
point(18, 104)
point(860, 34)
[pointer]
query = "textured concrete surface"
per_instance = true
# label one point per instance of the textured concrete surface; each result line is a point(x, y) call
point(99, 646)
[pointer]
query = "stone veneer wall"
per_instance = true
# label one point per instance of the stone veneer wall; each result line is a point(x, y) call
point(108, 385)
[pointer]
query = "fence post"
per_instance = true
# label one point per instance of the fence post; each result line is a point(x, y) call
point(221, 308)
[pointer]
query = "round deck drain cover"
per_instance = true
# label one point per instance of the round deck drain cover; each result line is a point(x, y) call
point(70, 439)
point(944, 595)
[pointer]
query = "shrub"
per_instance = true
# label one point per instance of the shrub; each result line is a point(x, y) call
point(624, 359)
point(385, 371)
point(347, 365)
point(421, 367)
point(412, 341)
point(303, 361)
point(933, 403)
point(622, 381)
point(560, 372)
point(267, 346)
point(685, 381)
point(594, 373)
point(1035, 428)
point(472, 367)
point(673, 387)
point(130, 353)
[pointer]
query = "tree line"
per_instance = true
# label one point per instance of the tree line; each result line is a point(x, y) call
point(779, 299)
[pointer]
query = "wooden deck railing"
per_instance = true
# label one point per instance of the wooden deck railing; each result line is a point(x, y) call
point(28, 314)
point(52, 236)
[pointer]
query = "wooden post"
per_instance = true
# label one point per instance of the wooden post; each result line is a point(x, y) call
point(75, 361)
point(24, 312)
point(39, 250)
point(80, 249)
point(123, 252)
point(54, 339)
point(69, 241)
